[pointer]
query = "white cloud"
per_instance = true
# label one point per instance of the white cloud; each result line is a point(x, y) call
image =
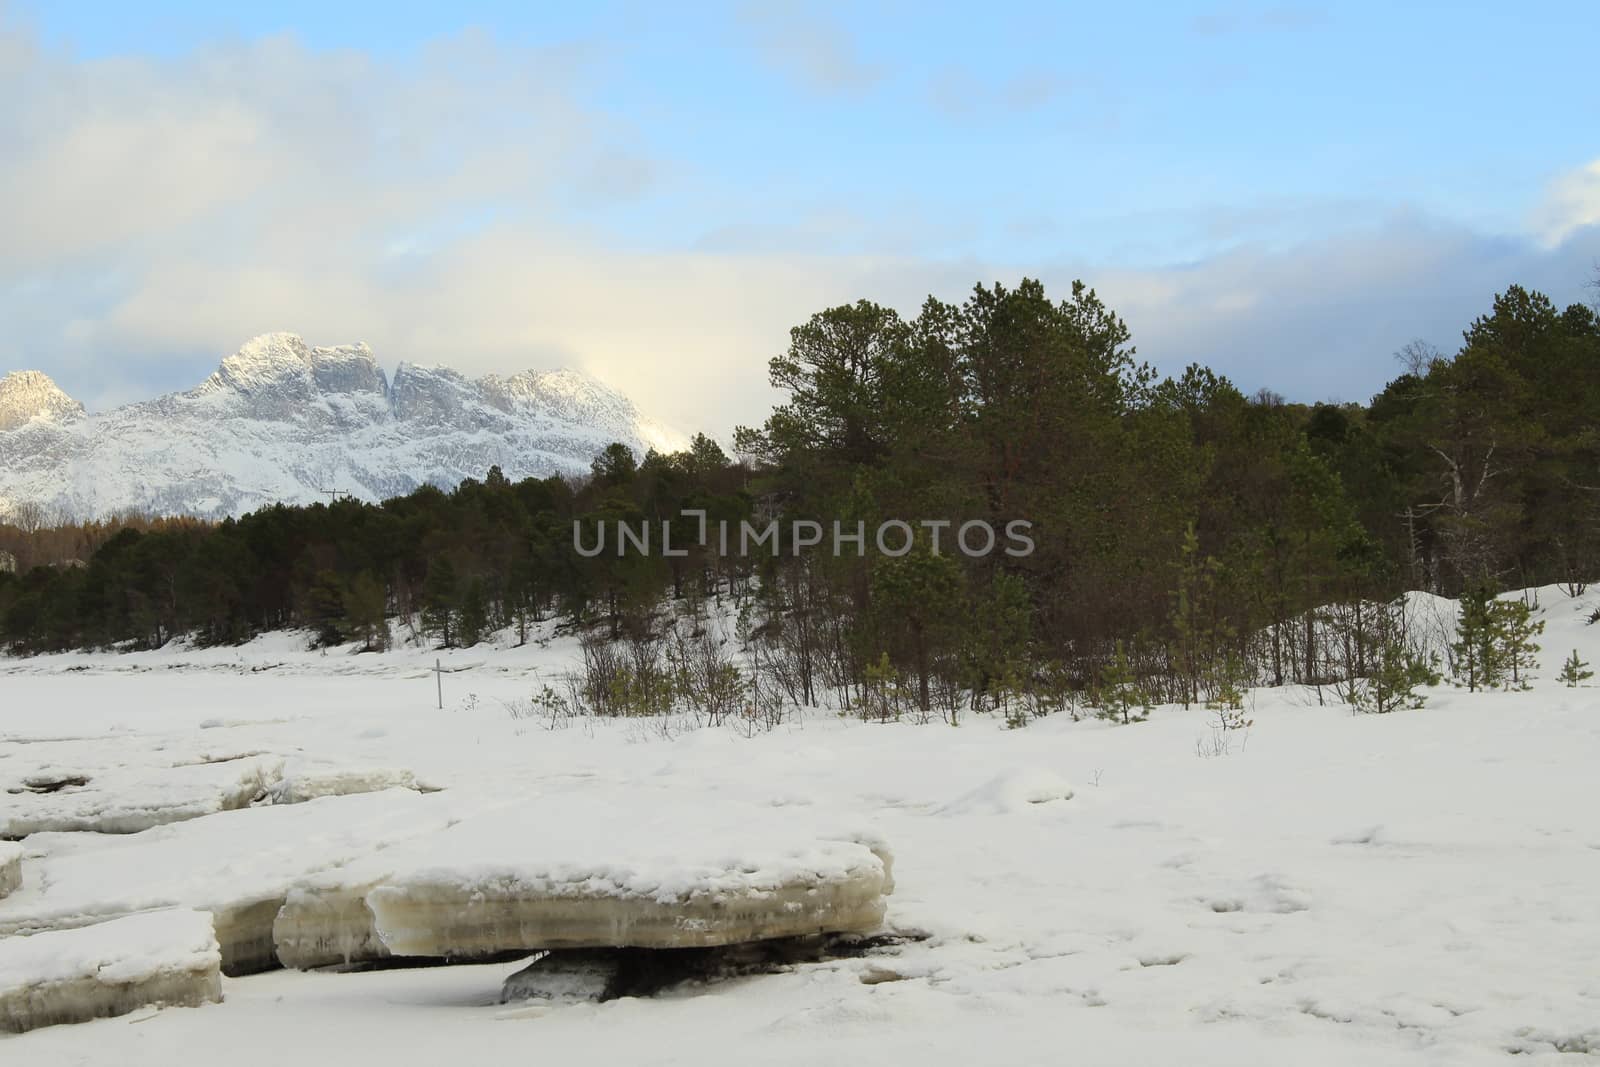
point(1571, 202)
point(158, 213)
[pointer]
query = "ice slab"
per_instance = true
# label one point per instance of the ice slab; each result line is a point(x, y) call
point(170, 958)
point(326, 919)
point(131, 798)
point(127, 784)
point(10, 868)
point(464, 917)
point(302, 783)
point(642, 872)
point(239, 865)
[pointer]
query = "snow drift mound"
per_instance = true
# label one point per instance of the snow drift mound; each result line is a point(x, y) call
point(1011, 792)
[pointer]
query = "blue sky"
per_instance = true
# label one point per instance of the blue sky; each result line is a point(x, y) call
point(1286, 192)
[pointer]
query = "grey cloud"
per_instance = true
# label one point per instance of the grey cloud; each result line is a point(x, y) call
point(1321, 320)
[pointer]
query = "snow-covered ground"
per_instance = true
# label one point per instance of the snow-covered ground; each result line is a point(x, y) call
point(1421, 887)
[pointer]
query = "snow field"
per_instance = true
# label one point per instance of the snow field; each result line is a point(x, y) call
point(1417, 888)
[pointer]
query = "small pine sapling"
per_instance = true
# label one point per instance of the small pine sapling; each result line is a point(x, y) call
point(1575, 670)
point(1010, 694)
point(1055, 691)
point(1393, 685)
point(1515, 631)
point(884, 691)
point(1230, 688)
point(1120, 692)
point(1398, 669)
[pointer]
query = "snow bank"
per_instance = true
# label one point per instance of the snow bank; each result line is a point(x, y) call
point(10, 869)
point(1011, 792)
point(239, 865)
point(169, 958)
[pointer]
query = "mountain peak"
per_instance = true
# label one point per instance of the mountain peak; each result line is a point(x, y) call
point(29, 394)
point(268, 363)
point(260, 362)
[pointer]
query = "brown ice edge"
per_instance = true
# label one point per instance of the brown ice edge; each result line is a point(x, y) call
point(437, 914)
point(10, 869)
point(189, 977)
point(321, 926)
point(80, 1000)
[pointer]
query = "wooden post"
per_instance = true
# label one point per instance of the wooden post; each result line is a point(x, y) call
point(438, 675)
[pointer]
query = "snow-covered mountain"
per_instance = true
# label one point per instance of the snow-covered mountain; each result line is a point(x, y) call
point(283, 421)
point(28, 395)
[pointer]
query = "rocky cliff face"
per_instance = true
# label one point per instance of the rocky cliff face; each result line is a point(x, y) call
point(284, 421)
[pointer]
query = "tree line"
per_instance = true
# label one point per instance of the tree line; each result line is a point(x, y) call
point(1188, 538)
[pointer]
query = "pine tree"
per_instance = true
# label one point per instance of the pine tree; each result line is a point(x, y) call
point(439, 600)
point(1514, 632)
point(921, 593)
point(1575, 670)
point(1476, 652)
point(366, 604)
point(324, 607)
point(1194, 642)
point(995, 633)
point(472, 617)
